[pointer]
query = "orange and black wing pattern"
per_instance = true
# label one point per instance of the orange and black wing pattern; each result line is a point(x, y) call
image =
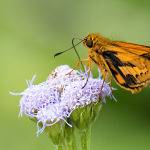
point(129, 64)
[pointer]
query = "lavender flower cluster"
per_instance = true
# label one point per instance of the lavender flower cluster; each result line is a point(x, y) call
point(64, 91)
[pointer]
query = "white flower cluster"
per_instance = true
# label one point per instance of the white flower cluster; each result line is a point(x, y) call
point(64, 91)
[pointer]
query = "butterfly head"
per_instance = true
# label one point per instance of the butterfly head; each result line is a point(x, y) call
point(95, 40)
point(90, 40)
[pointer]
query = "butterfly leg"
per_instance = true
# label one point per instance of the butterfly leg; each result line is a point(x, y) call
point(89, 64)
point(86, 61)
point(105, 74)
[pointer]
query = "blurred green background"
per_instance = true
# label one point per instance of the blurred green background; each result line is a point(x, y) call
point(32, 31)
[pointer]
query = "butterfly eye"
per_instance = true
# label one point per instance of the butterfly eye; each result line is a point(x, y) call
point(89, 43)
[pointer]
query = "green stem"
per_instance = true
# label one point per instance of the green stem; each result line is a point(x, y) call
point(85, 136)
point(61, 146)
point(71, 143)
point(74, 147)
point(70, 137)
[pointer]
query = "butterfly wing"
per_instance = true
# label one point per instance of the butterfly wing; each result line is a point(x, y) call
point(129, 64)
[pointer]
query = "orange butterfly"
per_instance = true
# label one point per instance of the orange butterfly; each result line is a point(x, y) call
point(128, 63)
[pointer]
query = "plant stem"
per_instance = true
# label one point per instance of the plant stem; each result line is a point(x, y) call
point(61, 146)
point(70, 137)
point(85, 136)
point(71, 143)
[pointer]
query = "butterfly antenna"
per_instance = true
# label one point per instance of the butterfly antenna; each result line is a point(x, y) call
point(81, 63)
point(73, 46)
point(69, 48)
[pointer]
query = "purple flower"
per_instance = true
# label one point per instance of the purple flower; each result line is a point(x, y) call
point(64, 91)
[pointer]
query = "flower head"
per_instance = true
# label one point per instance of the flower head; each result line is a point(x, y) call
point(64, 91)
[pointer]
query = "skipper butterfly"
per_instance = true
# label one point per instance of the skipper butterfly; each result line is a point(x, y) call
point(128, 63)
